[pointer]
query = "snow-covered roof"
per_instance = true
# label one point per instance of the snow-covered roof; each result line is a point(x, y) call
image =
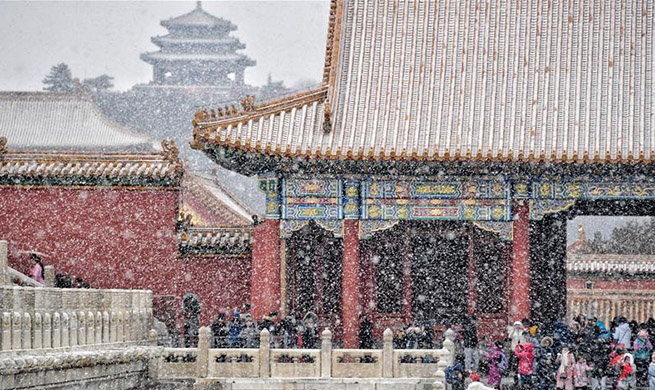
point(198, 18)
point(526, 81)
point(88, 169)
point(64, 122)
point(226, 209)
point(186, 57)
point(214, 240)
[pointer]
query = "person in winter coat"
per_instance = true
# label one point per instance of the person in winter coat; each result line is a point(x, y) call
point(495, 357)
point(470, 341)
point(525, 355)
point(37, 270)
point(309, 330)
point(581, 379)
point(476, 384)
point(288, 331)
point(235, 330)
point(220, 332)
point(623, 333)
point(249, 335)
point(365, 333)
point(651, 374)
point(515, 337)
point(625, 368)
point(456, 373)
point(642, 349)
point(545, 375)
point(565, 363)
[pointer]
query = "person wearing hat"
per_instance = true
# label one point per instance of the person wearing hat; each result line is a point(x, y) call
point(476, 384)
point(565, 363)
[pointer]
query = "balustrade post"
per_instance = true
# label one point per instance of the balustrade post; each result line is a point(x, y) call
point(98, 326)
point(56, 330)
point(47, 331)
point(37, 327)
point(153, 338)
point(90, 328)
point(72, 333)
point(49, 275)
point(27, 331)
point(16, 331)
point(449, 345)
point(6, 332)
point(387, 354)
point(326, 354)
point(65, 331)
point(265, 354)
point(105, 327)
point(202, 360)
point(440, 375)
point(81, 328)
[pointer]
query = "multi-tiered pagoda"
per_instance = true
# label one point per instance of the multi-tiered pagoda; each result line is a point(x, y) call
point(198, 51)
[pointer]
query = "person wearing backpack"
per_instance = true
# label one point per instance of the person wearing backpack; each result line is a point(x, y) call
point(497, 364)
point(456, 373)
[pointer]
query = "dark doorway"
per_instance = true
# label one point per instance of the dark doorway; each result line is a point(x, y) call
point(314, 273)
point(440, 252)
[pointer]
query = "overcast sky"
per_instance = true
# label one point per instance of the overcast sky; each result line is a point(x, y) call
point(287, 39)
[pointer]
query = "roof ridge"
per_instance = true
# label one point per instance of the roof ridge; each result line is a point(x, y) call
point(214, 181)
point(273, 107)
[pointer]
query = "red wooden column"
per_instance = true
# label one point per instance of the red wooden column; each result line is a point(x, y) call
point(519, 283)
point(350, 284)
point(472, 274)
point(265, 277)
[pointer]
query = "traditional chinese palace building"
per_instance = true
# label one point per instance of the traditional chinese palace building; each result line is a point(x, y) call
point(432, 173)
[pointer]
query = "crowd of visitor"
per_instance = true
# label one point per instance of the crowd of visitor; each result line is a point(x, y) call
point(582, 355)
point(241, 331)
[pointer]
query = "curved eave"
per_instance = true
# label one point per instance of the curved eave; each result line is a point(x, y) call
point(158, 57)
point(250, 162)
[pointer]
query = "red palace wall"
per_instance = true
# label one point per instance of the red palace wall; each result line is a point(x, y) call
point(222, 283)
point(117, 238)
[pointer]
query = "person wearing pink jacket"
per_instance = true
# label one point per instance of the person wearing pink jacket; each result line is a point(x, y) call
point(37, 270)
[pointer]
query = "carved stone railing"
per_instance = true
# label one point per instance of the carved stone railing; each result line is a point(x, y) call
point(51, 318)
point(326, 362)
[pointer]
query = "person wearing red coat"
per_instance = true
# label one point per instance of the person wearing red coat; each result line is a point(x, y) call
point(525, 354)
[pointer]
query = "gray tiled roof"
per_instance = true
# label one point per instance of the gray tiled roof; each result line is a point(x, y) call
point(48, 121)
point(523, 80)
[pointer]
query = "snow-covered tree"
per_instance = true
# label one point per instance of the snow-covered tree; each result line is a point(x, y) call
point(59, 79)
point(100, 83)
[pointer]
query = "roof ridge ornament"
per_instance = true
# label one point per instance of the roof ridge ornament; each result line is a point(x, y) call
point(198, 4)
point(327, 118)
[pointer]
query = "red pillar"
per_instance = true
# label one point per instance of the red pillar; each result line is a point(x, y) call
point(519, 284)
point(350, 309)
point(472, 275)
point(265, 277)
